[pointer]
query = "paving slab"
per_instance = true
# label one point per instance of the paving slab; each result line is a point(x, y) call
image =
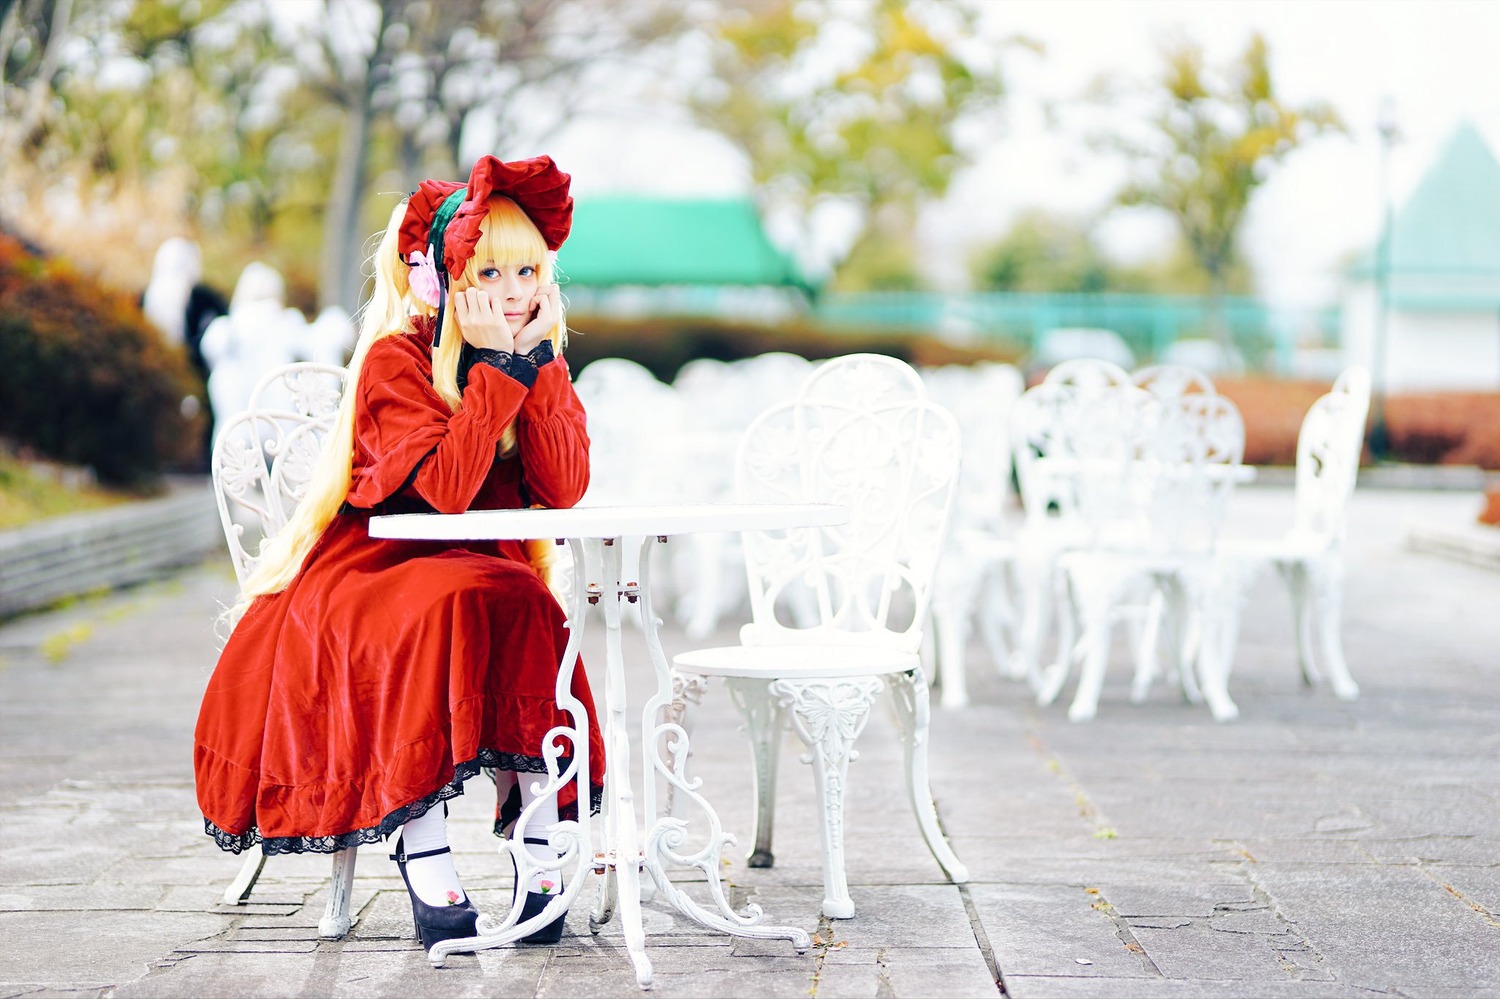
point(1388, 927)
point(1315, 847)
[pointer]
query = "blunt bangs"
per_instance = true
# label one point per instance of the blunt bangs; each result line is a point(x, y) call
point(508, 237)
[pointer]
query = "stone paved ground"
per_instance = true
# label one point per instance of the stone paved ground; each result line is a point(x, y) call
point(1314, 847)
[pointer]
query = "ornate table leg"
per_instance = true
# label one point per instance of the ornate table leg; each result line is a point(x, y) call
point(665, 744)
point(687, 692)
point(569, 838)
point(619, 809)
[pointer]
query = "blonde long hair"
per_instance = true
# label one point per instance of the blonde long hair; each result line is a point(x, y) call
point(507, 237)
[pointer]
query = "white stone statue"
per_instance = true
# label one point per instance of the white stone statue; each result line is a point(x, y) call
point(259, 334)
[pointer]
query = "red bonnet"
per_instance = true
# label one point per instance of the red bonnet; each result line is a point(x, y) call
point(536, 185)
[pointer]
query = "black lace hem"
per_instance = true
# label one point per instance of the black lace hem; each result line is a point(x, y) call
point(272, 846)
point(524, 368)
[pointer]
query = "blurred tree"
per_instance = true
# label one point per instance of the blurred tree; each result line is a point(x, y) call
point(162, 118)
point(31, 35)
point(414, 73)
point(880, 262)
point(1210, 141)
point(859, 102)
point(1046, 252)
point(266, 127)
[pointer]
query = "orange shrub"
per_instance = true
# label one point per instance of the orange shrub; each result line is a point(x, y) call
point(84, 378)
point(1427, 428)
point(1446, 428)
point(1272, 410)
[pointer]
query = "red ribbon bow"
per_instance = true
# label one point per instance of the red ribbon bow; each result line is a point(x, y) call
point(536, 185)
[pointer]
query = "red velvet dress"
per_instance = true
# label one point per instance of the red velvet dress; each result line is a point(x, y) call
point(389, 672)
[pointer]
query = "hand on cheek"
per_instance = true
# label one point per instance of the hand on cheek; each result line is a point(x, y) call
point(481, 320)
point(548, 306)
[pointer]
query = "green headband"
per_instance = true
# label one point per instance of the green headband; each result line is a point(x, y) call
point(440, 220)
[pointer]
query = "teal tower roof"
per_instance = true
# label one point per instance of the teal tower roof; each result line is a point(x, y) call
point(630, 240)
point(1445, 240)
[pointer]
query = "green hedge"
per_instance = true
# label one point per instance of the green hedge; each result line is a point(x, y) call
point(663, 344)
point(85, 379)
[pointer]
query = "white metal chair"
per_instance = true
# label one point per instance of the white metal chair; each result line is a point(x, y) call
point(1168, 381)
point(263, 460)
point(974, 583)
point(1044, 423)
point(719, 400)
point(1309, 558)
point(861, 432)
point(1152, 479)
point(1087, 373)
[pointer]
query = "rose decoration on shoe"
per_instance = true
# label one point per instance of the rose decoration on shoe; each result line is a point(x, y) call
point(454, 898)
point(424, 279)
point(547, 887)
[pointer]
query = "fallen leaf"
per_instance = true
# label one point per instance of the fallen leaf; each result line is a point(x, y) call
point(1135, 948)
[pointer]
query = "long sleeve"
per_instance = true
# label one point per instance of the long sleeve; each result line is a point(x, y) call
point(405, 434)
point(553, 436)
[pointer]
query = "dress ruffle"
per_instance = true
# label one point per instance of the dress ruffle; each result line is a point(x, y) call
point(487, 759)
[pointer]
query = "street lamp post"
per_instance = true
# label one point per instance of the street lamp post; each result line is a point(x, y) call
point(1380, 436)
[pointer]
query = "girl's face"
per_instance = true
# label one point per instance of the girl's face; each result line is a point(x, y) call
point(512, 289)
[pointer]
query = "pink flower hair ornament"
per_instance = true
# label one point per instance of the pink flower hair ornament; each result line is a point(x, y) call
point(424, 279)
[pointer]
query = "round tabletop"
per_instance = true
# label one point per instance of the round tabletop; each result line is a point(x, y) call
point(606, 521)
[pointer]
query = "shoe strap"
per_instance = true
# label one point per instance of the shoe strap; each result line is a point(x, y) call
point(401, 856)
point(533, 839)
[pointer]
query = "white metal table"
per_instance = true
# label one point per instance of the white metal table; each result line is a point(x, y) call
point(596, 537)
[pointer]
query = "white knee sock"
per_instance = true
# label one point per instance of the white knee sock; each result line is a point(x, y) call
point(543, 882)
point(433, 878)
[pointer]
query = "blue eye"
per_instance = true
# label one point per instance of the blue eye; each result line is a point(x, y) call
point(490, 273)
point(527, 271)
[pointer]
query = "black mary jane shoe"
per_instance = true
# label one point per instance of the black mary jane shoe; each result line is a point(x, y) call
point(536, 901)
point(436, 922)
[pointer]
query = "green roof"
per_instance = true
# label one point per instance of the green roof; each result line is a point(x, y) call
point(1445, 240)
point(629, 240)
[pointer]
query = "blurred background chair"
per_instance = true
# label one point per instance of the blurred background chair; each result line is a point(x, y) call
point(1309, 557)
point(263, 460)
point(1168, 381)
point(1150, 478)
point(720, 399)
point(1050, 425)
point(975, 583)
point(861, 432)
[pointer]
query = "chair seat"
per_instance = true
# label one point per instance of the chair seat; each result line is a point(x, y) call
point(796, 662)
point(1292, 547)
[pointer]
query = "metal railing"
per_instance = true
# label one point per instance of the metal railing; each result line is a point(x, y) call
point(1149, 324)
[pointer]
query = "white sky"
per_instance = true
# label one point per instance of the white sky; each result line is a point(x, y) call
point(1438, 60)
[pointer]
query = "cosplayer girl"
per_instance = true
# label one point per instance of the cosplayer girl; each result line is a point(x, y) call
point(365, 680)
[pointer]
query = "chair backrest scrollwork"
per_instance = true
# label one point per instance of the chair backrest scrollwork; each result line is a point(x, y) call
point(1124, 468)
point(264, 456)
point(861, 432)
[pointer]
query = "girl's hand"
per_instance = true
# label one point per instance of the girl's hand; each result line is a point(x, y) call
point(481, 321)
point(548, 303)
